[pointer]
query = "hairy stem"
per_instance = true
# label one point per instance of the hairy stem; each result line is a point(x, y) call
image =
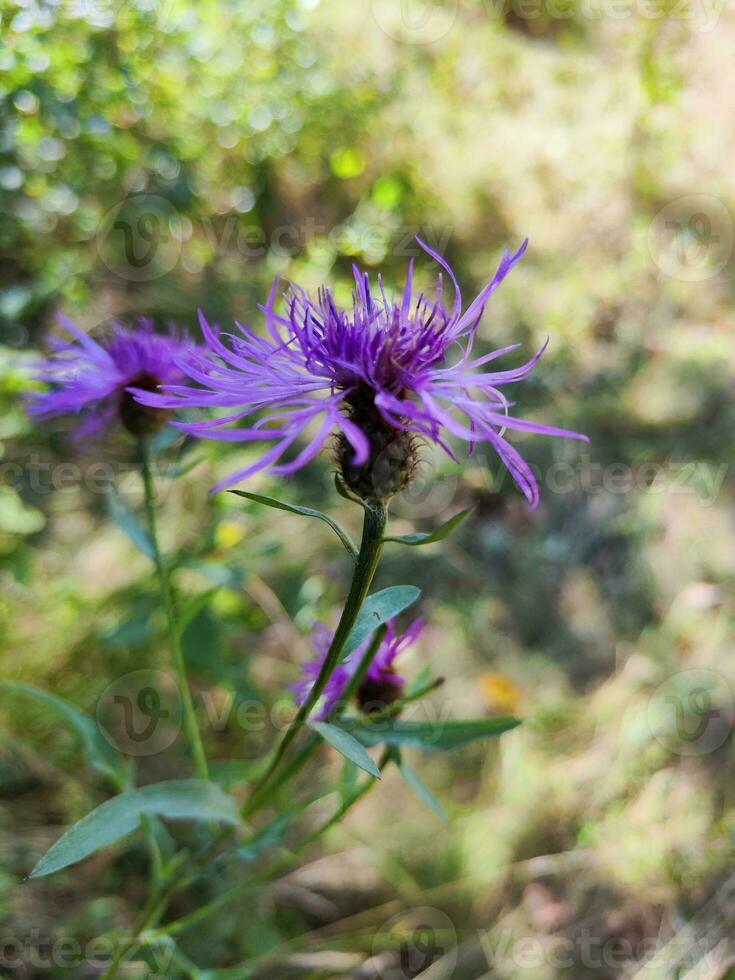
point(190, 721)
point(365, 566)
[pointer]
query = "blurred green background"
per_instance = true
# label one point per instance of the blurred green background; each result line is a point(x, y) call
point(158, 157)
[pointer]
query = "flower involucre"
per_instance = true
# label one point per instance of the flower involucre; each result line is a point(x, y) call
point(380, 374)
point(381, 685)
point(93, 380)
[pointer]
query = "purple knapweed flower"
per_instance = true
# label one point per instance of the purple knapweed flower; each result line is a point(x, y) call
point(381, 684)
point(378, 374)
point(93, 380)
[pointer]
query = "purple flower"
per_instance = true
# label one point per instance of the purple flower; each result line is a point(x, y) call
point(381, 684)
point(93, 380)
point(378, 373)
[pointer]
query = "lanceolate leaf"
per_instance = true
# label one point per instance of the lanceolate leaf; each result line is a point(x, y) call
point(180, 799)
point(101, 755)
point(438, 734)
point(420, 788)
point(129, 524)
point(377, 609)
point(305, 512)
point(347, 745)
point(442, 532)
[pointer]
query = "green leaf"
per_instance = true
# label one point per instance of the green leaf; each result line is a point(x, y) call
point(344, 491)
point(179, 799)
point(421, 789)
point(129, 524)
point(305, 512)
point(347, 745)
point(100, 754)
point(442, 532)
point(377, 609)
point(439, 734)
point(191, 609)
point(420, 683)
point(266, 838)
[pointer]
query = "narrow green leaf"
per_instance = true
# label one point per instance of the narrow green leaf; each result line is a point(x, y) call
point(305, 512)
point(348, 779)
point(439, 734)
point(100, 754)
point(421, 789)
point(129, 524)
point(377, 609)
point(179, 799)
point(442, 532)
point(346, 745)
point(268, 837)
point(191, 609)
point(181, 469)
point(344, 491)
point(421, 682)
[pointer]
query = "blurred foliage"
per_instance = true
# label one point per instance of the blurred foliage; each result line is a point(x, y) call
point(163, 156)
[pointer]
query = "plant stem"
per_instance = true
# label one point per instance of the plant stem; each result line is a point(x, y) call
point(278, 866)
point(309, 747)
point(190, 721)
point(365, 566)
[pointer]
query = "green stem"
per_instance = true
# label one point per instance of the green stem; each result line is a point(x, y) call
point(279, 866)
point(309, 747)
point(190, 721)
point(365, 566)
point(150, 913)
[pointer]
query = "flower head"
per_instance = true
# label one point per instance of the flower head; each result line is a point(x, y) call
point(379, 374)
point(381, 684)
point(93, 380)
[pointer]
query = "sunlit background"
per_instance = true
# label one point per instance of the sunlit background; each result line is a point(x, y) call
point(157, 157)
